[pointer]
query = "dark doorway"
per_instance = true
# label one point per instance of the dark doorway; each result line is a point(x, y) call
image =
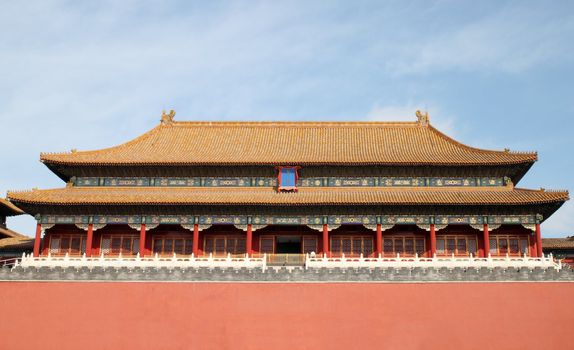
point(288, 245)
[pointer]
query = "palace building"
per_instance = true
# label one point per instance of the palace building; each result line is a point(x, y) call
point(287, 189)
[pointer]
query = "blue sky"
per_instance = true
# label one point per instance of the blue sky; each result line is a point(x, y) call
point(89, 75)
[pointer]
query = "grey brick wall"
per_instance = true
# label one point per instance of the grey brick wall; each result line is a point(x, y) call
point(283, 274)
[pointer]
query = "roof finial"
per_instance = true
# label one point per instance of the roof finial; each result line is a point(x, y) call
point(423, 119)
point(167, 118)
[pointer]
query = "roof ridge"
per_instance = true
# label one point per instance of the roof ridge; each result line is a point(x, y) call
point(481, 150)
point(293, 123)
point(121, 145)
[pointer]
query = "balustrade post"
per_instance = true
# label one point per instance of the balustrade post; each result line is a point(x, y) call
point(486, 239)
point(89, 239)
point(37, 240)
point(326, 239)
point(142, 240)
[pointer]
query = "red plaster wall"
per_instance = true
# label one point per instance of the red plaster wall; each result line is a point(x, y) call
point(72, 315)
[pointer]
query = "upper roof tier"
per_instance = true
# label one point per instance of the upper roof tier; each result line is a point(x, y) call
point(286, 143)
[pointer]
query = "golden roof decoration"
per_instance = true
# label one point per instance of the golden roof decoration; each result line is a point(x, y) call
point(291, 143)
point(167, 118)
point(423, 119)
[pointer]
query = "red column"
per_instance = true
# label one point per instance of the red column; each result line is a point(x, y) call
point(195, 240)
point(325, 239)
point(379, 240)
point(249, 240)
point(533, 250)
point(142, 240)
point(538, 241)
point(432, 240)
point(37, 240)
point(486, 238)
point(89, 239)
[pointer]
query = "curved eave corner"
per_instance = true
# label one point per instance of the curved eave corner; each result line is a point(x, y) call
point(9, 209)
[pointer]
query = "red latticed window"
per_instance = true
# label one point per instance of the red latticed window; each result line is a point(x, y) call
point(309, 244)
point(267, 245)
point(511, 245)
point(352, 246)
point(457, 245)
point(404, 245)
point(172, 244)
point(223, 245)
point(388, 247)
point(124, 244)
point(67, 244)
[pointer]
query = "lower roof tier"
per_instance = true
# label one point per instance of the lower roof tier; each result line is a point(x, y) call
point(304, 197)
point(9, 209)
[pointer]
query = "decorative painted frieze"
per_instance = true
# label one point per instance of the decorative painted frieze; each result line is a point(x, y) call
point(288, 220)
point(459, 220)
point(405, 220)
point(302, 182)
point(223, 220)
point(387, 221)
point(353, 219)
point(64, 220)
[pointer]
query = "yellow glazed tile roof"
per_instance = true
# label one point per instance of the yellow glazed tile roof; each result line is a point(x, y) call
point(558, 243)
point(9, 233)
point(268, 196)
point(283, 143)
point(9, 209)
point(20, 242)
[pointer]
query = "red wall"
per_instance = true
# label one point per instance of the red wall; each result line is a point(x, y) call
point(49, 315)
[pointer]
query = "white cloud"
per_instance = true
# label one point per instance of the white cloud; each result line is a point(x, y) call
point(89, 75)
point(510, 40)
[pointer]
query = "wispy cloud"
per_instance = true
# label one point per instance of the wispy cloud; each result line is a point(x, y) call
point(510, 40)
point(89, 75)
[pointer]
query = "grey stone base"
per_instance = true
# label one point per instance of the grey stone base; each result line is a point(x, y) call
point(288, 275)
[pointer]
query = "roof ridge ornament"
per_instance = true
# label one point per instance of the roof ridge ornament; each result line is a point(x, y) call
point(422, 118)
point(167, 118)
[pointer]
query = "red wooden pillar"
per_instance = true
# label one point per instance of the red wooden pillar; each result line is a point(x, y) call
point(37, 240)
point(195, 242)
point(142, 240)
point(326, 239)
point(249, 240)
point(486, 238)
point(432, 240)
point(538, 241)
point(533, 250)
point(379, 240)
point(89, 239)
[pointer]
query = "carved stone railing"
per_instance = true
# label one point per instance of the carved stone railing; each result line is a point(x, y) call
point(261, 261)
point(544, 262)
point(183, 261)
